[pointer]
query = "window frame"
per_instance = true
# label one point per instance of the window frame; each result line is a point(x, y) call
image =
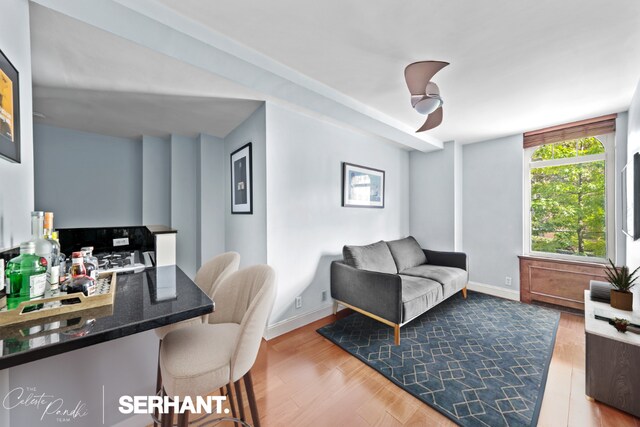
point(608, 141)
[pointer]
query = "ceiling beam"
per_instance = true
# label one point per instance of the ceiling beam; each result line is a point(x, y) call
point(156, 27)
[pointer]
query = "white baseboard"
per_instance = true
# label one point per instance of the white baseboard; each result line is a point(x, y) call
point(496, 291)
point(288, 325)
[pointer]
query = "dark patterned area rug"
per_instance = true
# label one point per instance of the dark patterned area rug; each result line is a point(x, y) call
point(481, 361)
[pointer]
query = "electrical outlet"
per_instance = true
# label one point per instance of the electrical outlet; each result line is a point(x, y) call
point(507, 281)
point(324, 295)
point(121, 242)
point(298, 302)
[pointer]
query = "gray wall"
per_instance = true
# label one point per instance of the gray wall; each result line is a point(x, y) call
point(435, 186)
point(184, 182)
point(156, 181)
point(86, 179)
point(16, 197)
point(213, 203)
point(16, 180)
point(306, 224)
point(492, 216)
point(633, 146)
point(247, 234)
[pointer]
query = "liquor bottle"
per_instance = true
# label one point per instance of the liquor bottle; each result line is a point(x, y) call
point(79, 281)
point(43, 247)
point(3, 289)
point(27, 276)
point(53, 268)
point(77, 265)
point(90, 262)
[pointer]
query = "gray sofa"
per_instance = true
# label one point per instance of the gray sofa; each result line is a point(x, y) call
point(394, 282)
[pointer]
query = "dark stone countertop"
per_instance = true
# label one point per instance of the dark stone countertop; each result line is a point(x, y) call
point(143, 301)
point(161, 229)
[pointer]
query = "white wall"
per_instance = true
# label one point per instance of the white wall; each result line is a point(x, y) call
point(307, 226)
point(458, 180)
point(16, 180)
point(247, 234)
point(86, 179)
point(156, 181)
point(435, 188)
point(212, 206)
point(184, 183)
point(492, 216)
point(620, 161)
point(633, 146)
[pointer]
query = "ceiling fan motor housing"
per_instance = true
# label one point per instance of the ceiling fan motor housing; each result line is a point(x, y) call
point(426, 104)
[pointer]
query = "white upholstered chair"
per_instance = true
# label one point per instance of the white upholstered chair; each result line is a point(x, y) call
point(197, 360)
point(208, 278)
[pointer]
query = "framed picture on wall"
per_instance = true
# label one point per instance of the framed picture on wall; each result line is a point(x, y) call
point(362, 187)
point(9, 111)
point(242, 181)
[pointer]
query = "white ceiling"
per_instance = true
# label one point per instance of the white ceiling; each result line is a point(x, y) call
point(91, 80)
point(130, 115)
point(515, 65)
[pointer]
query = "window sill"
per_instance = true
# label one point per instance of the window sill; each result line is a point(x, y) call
point(564, 259)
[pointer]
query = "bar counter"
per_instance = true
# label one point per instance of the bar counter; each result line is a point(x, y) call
point(143, 301)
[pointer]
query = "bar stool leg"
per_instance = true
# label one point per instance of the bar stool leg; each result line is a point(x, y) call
point(233, 405)
point(248, 384)
point(183, 419)
point(167, 418)
point(158, 385)
point(240, 401)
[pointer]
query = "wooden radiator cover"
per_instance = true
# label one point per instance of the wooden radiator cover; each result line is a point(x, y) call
point(556, 281)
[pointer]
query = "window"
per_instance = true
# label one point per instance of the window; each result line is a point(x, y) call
point(569, 198)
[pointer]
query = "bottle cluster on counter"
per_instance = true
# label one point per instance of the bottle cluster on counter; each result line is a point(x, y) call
point(41, 270)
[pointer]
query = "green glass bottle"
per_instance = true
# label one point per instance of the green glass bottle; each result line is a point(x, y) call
point(27, 274)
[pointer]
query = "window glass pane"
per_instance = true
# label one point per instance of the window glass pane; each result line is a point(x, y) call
point(545, 152)
point(565, 149)
point(568, 149)
point(568, 209)
point(588, 146)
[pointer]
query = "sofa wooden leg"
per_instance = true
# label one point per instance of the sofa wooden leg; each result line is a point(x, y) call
point(464, 292)
point(396, 334)
point(335, 307)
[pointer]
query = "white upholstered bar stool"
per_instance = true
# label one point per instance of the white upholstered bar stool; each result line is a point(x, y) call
point(197, 360)
point(208, 278)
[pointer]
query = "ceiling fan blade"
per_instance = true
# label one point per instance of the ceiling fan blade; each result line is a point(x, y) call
point(420, 73)
point(433, 120)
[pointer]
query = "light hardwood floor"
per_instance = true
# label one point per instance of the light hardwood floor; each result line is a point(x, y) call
point(302, 379)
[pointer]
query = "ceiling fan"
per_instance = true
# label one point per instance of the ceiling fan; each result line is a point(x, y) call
point(425, 94)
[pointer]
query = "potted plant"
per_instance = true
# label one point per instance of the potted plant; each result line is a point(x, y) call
point(622, 282)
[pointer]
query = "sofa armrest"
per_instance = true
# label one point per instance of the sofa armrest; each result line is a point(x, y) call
point(371, 291)
point(447, 259)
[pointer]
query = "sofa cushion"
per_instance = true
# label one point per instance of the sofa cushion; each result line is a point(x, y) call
point(373, 257)
point(406, 253)
point(452, 279)
point(418, 296)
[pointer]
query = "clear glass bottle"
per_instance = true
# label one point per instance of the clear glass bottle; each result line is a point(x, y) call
point(53, 268)
point(90, 262)
point(43, 247)
point(27, 276)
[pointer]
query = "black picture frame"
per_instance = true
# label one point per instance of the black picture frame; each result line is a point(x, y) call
point(9, 119)
point(350, 202)
point(630, 186)
point(241, 169)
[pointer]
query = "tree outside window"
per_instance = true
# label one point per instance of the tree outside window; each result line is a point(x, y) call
point(568, 198)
